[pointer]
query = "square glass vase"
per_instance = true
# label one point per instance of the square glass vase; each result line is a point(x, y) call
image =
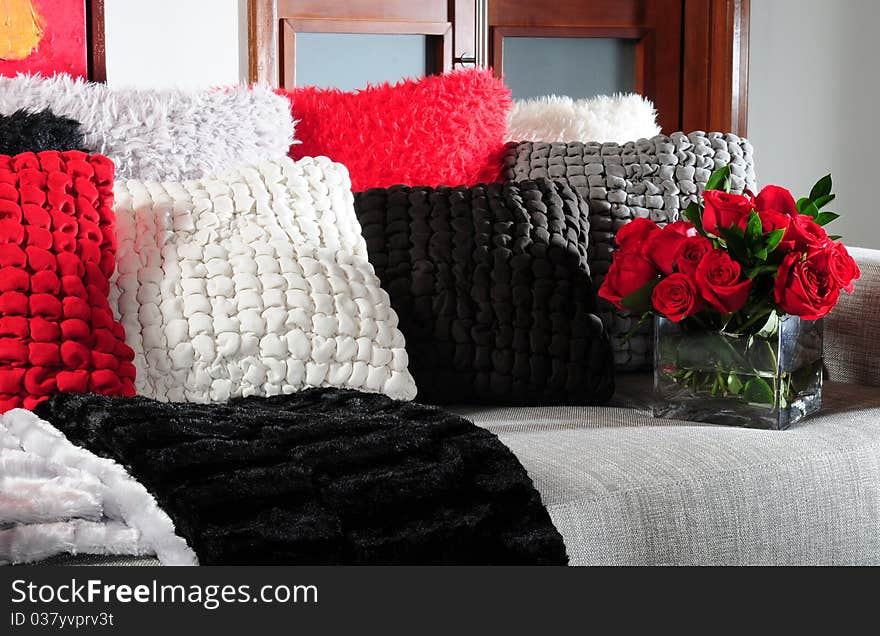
point(769, 379)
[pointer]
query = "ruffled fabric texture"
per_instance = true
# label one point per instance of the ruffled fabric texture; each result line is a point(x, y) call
point(24, 131)
point(254, 282)
point(162, 134)
point(605, 118)
point(655, 178)
point(440, 129)
point(60, 498)
point(57, 254)
point(493, 291)
point(324, 476)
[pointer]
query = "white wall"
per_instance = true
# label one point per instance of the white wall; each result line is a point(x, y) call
point(186, 43)
point(814, 90)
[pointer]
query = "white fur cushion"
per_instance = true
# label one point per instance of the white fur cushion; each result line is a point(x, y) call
point(163, 134)
point(255, 282)
point(618, 119)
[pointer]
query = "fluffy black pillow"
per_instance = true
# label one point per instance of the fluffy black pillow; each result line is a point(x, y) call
point(23, 131)
point(493, 292)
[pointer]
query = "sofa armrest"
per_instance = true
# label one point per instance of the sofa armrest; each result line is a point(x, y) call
point(852, 329)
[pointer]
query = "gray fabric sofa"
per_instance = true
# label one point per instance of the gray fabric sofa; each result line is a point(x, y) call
point(624, 488)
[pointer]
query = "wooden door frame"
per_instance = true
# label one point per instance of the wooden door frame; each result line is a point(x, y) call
point(439, 36)
point(272, 29)
point(96, 43)
point(654, 26)
point(715, 76)
point(713, 80)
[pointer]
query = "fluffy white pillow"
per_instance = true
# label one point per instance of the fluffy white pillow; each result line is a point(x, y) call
point(163, 134)
point(617, 118)
point(255, 282)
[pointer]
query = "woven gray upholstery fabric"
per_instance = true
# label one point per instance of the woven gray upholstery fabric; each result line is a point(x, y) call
point(626, 489)
point(653, 178)
point(852, 342)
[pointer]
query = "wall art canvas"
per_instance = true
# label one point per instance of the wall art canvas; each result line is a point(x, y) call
point(43, 36)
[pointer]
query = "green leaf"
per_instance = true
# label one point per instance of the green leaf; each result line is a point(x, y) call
point(771, 326)
point(835, 237)
point(758, 391)
point(734, 384)
point(735, 239)
point(720, 180)
point(802, 204)
point(822, 188)
point(774, 239)
point(640, 300)
point(694, 214)
point(821, 202)
point(824, 218)
point(754, 230)
point(737, 231)
point(761, 269)
point(810, 209)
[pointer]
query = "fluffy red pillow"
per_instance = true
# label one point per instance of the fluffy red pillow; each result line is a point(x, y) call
point(439, 130)
point(57, 253)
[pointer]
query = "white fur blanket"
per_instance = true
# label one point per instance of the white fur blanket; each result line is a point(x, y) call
point(57, 498)
point(171, 134)
point(603, 119)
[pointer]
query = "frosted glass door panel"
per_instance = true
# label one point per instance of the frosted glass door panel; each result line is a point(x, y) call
point(577, 67)
point(352, 60)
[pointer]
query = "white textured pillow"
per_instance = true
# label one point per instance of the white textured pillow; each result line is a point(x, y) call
point(617, 118)
point(255, 282)
point(164, 134)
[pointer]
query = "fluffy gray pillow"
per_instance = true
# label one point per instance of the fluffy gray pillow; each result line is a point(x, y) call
point(653, 178)
point(162, 134)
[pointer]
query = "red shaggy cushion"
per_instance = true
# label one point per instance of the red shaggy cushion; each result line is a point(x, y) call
point(57, 253)
point(439, 130)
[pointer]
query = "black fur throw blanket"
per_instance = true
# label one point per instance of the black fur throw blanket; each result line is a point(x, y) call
point(35, 132)
point(493, 291)
point(325, 476)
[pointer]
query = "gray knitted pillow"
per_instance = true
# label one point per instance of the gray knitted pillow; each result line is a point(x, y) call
point(655, 178)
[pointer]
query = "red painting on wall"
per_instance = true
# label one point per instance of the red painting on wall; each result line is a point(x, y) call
point(43, 36)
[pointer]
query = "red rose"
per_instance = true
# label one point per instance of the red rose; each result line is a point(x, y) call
point(634, 233)
point(690, 252)
point(660, 246)
point(629, 272)
point(718, 279)
point(772, 220)
point(806, 235)
point(723, 210)
point(676, 297)
point(807, 288)
point(843, 267)
point(775, 198)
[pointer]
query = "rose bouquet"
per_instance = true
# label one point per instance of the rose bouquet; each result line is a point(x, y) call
point(737, 289)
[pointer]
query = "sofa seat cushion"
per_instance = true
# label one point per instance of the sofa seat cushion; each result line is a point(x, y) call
point(624, 488)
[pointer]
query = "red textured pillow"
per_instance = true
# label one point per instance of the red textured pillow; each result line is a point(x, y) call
point(439, 130)
point(57, 253)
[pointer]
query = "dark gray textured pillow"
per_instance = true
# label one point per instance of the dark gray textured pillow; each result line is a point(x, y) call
point(653, 178)
point(493, 292)
point(23, 131)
